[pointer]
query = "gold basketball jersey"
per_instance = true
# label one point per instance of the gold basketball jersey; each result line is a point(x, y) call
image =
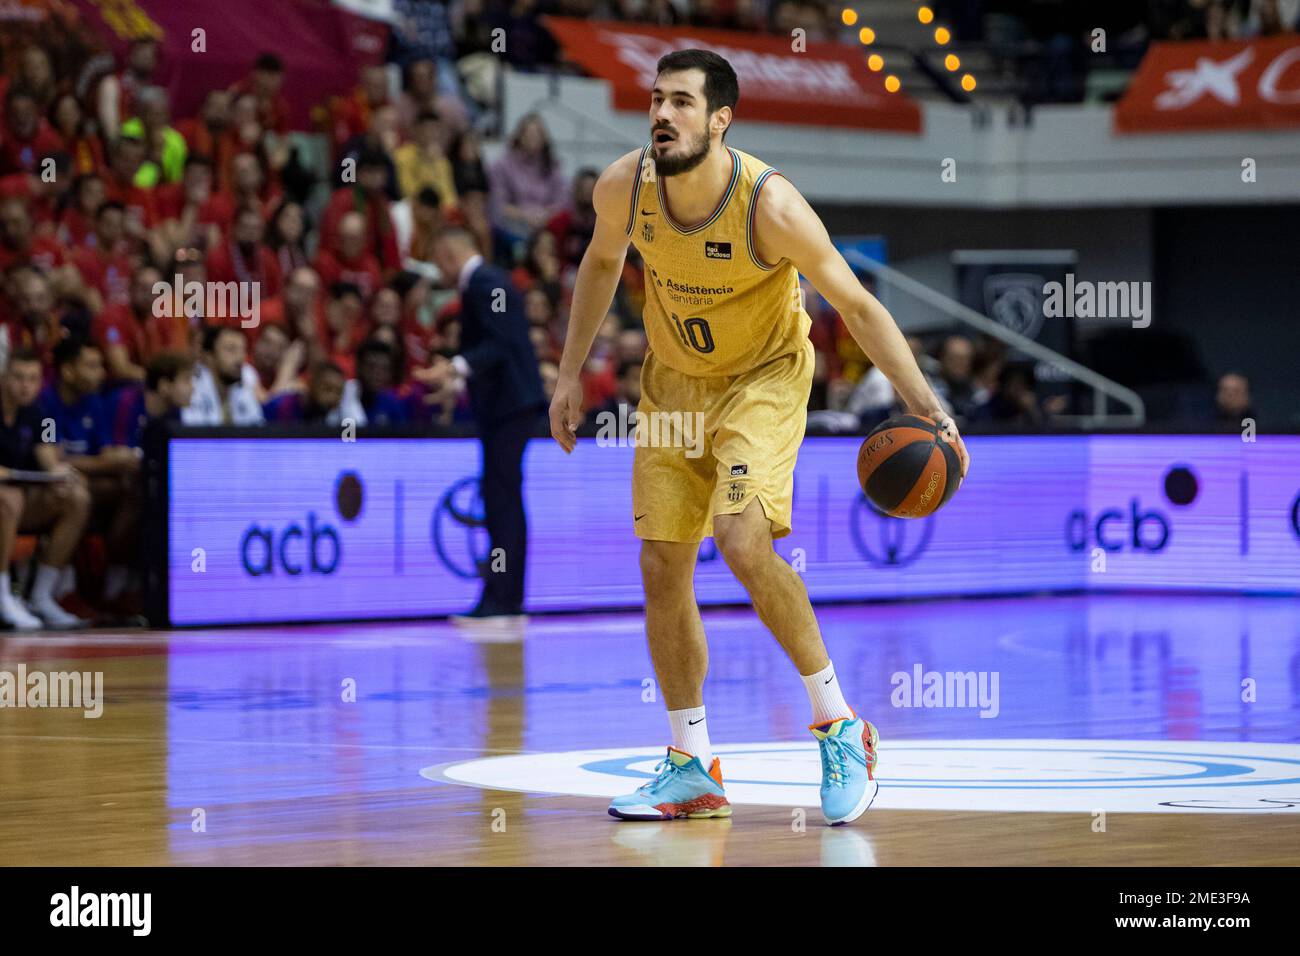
point(712, 306)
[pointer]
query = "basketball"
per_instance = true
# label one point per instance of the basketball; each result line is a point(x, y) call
point(907, 469)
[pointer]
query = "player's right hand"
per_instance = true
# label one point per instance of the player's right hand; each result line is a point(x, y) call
point(566, 412)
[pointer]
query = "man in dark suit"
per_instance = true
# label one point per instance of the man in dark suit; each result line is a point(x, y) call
point(498, 366)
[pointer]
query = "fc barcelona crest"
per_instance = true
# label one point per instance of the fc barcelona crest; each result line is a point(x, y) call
point(647, 231)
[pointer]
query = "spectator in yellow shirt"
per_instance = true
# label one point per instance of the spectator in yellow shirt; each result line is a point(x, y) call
point(422, 164)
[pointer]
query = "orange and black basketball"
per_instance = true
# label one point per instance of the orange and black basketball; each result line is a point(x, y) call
point(906, 467)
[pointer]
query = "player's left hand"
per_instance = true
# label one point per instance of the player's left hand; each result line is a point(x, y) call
point(948, 430)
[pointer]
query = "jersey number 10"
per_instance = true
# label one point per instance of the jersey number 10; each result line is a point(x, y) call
point(695, 334)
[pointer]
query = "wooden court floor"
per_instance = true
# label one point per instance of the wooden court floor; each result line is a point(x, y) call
point(342, 745)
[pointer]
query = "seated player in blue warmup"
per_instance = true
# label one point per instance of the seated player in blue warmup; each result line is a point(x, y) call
point(112, 472)
point(323, 403)
point(374, 385)
point(57, 510)
point(168, 387)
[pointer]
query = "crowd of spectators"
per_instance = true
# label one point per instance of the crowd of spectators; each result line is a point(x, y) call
point(194, 268)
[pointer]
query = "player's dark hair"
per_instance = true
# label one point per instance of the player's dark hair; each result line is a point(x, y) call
point(720, 85)
point(79, 183)
point(166, 367)
point(325, 365)
point(428, 196)
point(18, 92)
point(404, 282)
point(268, 63)
point(109, 205)
point(24, 355)
point(212, 334)
point(339, 289)
point(372, 157)
point(373, 346)
point(69, 350)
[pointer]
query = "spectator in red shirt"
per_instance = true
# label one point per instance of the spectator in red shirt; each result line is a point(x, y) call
point(600, 372)
point(419, 341)
point(298, 307)
point(119, 330)
point(379, 143)
point(343, 329)
point(541, 265)
point(250, 186)
point(286, 232)
point(125, 159)
point(36, 323)
point(213, 135)
point(28, 138)
point(247, 136)
point(244, 258)
point(117, 91)
point(48, 193)
point(385, 311)
point(426, 220)
point(19, 245)
point(573, 227)
point(276, 360)
point(105, 267)
point(367, 199)
point(191, 210)
point(69, 123)
point(77, 221)
point(264, 83)
point(352, 115)
point(421, 94)
point(36, 75)
point(348, 259)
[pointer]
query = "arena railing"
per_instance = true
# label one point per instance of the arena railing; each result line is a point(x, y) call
point(1102, 388)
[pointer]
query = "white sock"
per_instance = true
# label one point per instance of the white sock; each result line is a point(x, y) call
point(47, 579)
point(824, 693)
point(691, 734)
point(6, 589)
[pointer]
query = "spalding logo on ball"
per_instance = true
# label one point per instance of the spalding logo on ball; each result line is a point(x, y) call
point(906, 467)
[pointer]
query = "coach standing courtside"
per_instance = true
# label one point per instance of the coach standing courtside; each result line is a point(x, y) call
point(499, 367)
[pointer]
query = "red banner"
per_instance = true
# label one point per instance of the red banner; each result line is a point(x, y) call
point(1234, 84)
point(206, 45)
point(827, 84)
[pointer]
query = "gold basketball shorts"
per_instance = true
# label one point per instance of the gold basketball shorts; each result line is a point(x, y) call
point(712, 445)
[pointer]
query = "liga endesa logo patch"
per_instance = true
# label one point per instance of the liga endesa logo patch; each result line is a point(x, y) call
point(717, 250)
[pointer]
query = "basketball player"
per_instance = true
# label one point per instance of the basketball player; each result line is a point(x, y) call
point(724, 238)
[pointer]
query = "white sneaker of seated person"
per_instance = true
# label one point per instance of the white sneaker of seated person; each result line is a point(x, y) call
point(15, 613)
point(45, 606)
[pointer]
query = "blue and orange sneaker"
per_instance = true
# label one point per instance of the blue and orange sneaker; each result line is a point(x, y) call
point(848, 747)
point(682, 789)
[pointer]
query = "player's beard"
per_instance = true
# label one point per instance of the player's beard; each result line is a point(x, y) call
point(676, 165)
